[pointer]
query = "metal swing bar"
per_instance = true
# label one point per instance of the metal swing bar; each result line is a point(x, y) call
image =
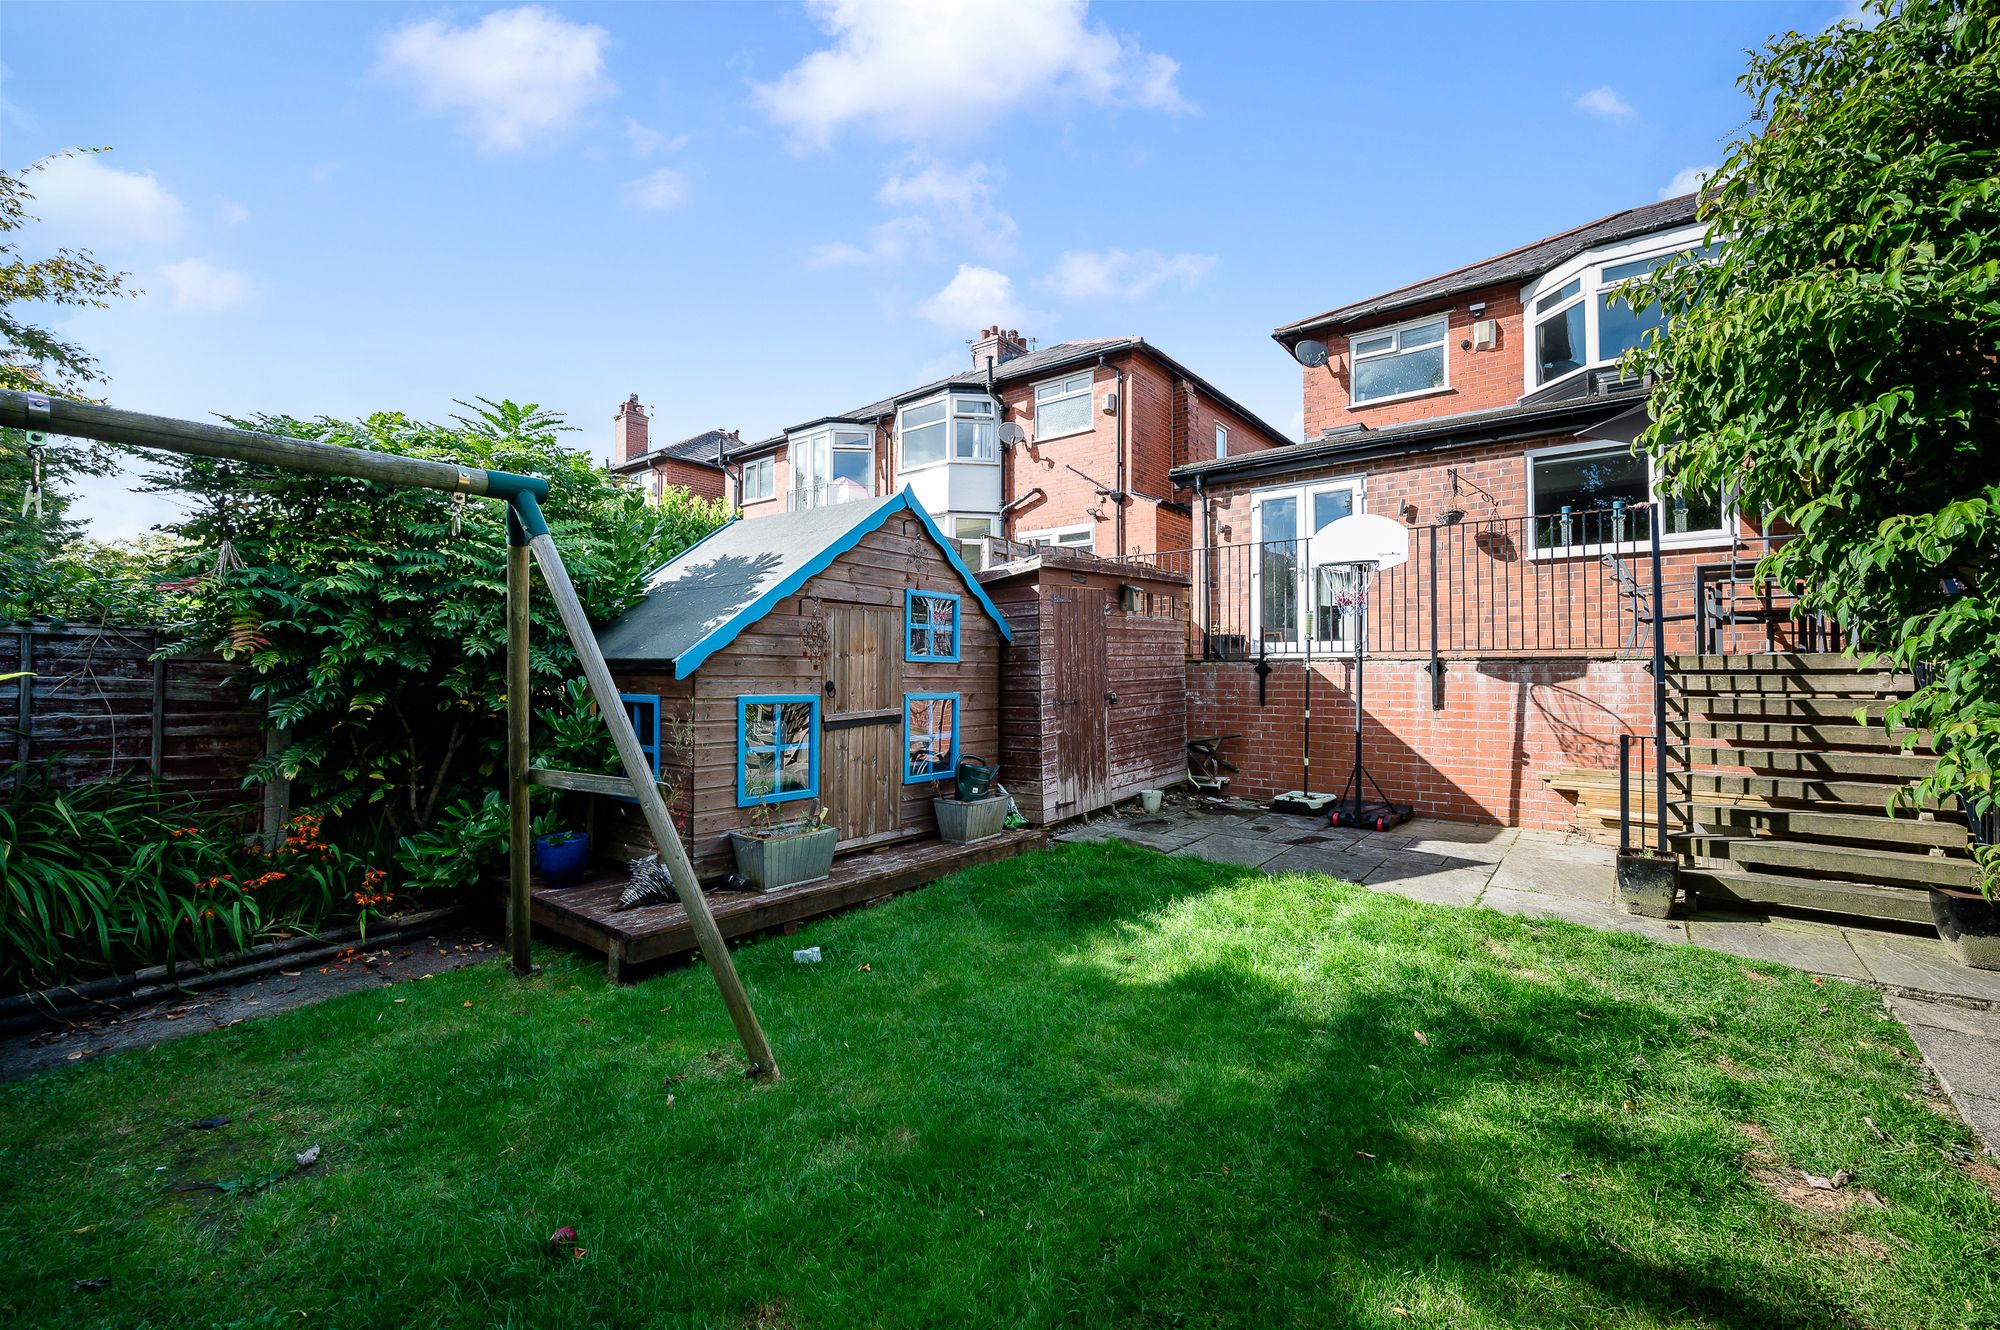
point(528, 535)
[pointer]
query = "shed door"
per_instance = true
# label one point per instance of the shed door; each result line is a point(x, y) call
point(861, 723)
point(1076, 616)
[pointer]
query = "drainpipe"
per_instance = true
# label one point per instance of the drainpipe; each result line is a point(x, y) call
point(1118, 475)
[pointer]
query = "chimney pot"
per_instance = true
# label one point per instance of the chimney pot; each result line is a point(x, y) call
point(993, 347)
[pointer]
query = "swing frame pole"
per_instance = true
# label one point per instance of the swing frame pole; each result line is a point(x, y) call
point(528, 535)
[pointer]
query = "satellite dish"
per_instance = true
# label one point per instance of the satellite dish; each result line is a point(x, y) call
point(1011, 434)
point(1362, 538)
point(1311, 354)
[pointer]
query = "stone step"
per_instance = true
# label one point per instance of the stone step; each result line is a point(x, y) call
point(1725, 886)
point(1796, 789)
point(1815, 683)
point(1802, 733)
point(1850, 863)
point(1828, 821)
point(1806, 761)
point(1776, 662)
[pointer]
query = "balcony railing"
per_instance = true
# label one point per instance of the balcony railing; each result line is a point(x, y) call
point(825, 495)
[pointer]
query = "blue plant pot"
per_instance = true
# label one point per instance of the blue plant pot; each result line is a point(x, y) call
point(562, 861)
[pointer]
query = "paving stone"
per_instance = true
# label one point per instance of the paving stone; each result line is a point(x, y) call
point(1586, 873)
point(1466, 840)
point(1968, 1064)
point(1451, 886)
point(1819, 948)
point(1921, 963)
point(1946, 1016)
point(1164, 839)
point(1250, 851)
point(1983, 1116)
point(1534, 905)
point(1329, 860)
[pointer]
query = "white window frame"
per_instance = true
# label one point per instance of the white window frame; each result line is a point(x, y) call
point(1717, 535)
point(949, 525)
point(1061, 537)
point(1587, 270)
point(952, 415)
point(1303, 495)
point(816, 447)
point(1221, 442)
point(1062, 382)
point(1397, 330)
point(766, 468)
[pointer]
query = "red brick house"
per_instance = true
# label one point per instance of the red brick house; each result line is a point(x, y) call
point(695, 463)
point(1485, 409)
point(1072, 445)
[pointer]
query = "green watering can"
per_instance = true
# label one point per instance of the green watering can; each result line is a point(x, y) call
point(975, 779)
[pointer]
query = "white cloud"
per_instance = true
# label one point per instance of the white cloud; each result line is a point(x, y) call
point(974, 297)
point(1113, 274)
point(1686, 181)
point(916, 70)
point(199, 285)
point(517, 75)
point(659, 190)
point(86, 202)
point(1604, 102)
point(233, 213)
point(940, 205)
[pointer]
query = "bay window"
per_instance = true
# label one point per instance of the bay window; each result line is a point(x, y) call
point(1398, 362)
point(953, 428)
point(1580, 318)
point(832, 464)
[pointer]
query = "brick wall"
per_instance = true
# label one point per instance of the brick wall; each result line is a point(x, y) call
point(705, 481)
point(1476, 380)
point(1506, 723)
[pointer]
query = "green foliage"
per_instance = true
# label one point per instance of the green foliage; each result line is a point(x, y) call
point(112, 875)
point(373, 616)
point(129, 583)
point(1091, 1086)
point(1834, 363)
point(468, 839)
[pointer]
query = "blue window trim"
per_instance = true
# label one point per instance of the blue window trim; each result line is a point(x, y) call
point(951, 767)
point(745, 799)
point(910, 598)
point(649, 744)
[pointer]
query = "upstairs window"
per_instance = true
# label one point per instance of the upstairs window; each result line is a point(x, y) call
point(930, 736)
point(1577, 315)
point(975, 426)
point(930, 626)
point(1398, 362)
point(1062, 406)
point(758, 481)
point(643, 710)
point(1221, 441)
point(1559, 344)
point(832, 465)
point(963, 429)
point(777, 749)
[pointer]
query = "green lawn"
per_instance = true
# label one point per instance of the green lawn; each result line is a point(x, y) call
point(1092, 1086)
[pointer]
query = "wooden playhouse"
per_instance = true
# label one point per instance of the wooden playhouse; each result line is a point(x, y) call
point(1093, 693)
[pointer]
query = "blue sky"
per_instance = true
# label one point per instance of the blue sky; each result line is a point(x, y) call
point(754, 214)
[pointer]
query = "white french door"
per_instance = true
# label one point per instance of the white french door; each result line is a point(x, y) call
point(1290, 606)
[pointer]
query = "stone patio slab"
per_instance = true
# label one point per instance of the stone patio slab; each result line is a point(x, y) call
point(1249, 851)
point(1923, 964)
point(1450, 886)
point(1946, 1016)
point(1967, 1063)
point(1577, 872)
point(1328, 860)
point(1818, 948)
point(1533, 905)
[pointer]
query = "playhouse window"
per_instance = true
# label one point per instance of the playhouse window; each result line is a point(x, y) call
point(643, 709)
point(930, 736)
point(777, 749)
point(930, 626)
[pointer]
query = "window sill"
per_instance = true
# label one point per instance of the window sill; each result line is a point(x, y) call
point(1066, 434)
point(1693, 540)
point(1399, 397)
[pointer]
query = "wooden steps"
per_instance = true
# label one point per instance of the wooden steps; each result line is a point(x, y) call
point(1834, 822)
point(1867, 900)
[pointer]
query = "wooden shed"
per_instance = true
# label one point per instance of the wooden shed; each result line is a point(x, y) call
point(841, 657)
point(1093, 694)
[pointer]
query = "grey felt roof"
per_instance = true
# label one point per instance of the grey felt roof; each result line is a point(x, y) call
point(699, 600)
point(1516, 265)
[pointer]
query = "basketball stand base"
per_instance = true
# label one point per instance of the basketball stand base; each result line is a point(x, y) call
point(1304, 802)
point(1371, 816)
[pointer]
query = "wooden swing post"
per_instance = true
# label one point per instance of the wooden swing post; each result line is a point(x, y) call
point(528, 533)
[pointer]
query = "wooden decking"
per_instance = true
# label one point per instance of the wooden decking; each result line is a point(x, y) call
point(586, 913)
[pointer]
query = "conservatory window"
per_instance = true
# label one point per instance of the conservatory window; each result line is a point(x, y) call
point(643, 710)
point(777, 749)
point(930, 626)
point(1399, 362)
point(930, 736)
point(923, 430)
point(834, 465)
point(1062, 406)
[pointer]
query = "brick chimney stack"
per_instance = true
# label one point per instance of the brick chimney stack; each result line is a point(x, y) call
point(994, 345)
point(628, 430)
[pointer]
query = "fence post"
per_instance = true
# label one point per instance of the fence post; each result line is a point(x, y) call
point(25, 688)
point(156, 755)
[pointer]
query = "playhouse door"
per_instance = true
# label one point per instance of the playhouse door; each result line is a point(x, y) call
point(861, 726)
point(1083, 699)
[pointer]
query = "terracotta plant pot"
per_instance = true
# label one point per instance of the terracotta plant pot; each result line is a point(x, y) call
point(1969, 926)
point(1647, 884)
point(774, 859)
point(963, 821)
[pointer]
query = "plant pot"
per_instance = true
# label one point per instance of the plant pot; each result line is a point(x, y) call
point(562, 858)
point(1150, 800)
point(1969, 926)
point(770, 860)
point(1647, 884)
point(963, 821)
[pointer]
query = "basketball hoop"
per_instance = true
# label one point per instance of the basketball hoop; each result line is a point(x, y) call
point(1346, 555)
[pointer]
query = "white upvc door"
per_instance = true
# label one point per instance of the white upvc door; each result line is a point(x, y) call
point(1287, 604)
